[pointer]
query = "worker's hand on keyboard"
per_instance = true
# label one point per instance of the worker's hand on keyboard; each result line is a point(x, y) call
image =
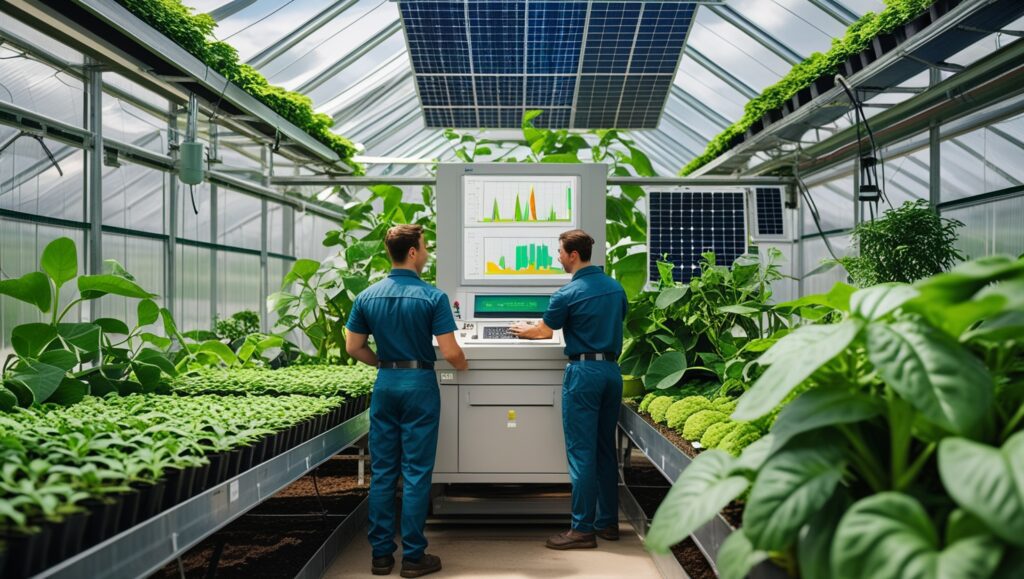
point(521, 329)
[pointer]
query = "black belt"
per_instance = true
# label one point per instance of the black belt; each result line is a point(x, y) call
point(608, 356)
point(406, 365)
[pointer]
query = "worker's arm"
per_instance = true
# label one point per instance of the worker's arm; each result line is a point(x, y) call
point(356, 345)
point(452, 352)
point(538, 331)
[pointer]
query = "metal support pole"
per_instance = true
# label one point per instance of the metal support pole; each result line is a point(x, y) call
point(173, 212)
point(268, 170)
point(94, 174)
point(214, 216)
point(935, 151)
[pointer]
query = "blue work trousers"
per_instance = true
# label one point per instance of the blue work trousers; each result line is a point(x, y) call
point(591, 396)
point(404, 413)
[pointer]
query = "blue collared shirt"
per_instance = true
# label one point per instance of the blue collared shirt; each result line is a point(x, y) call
point(402, 312)
point(589, 310)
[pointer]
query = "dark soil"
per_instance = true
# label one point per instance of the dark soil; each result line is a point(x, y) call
point(693, 561)
point(280, 535)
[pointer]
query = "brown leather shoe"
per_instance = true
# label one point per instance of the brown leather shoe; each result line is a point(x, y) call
point(609, 534)
point(571, 540)
point(425, 566)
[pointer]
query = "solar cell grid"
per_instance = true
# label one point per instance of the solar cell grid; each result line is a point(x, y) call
point(685, 224)
point(769, 211)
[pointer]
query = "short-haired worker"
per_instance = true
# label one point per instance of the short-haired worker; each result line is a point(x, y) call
point(402, 312)
point(589, 310)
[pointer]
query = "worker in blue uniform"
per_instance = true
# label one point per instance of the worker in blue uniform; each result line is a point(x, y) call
point(590, 311)
point(402, 312)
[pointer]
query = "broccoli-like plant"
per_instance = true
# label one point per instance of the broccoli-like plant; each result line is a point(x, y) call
point(659, 407)
point(716, 432)
point(742, 436)
point(679, 412)
point(648, 398)
point(697, 425)
point(724, 404)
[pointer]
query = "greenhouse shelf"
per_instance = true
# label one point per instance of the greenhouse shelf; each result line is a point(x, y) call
point(667, 564)
point(145, 548)
point(322, 559)
point(671, 462)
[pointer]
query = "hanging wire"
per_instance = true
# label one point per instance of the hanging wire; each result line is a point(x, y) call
point(875, 151)
point(805, 193)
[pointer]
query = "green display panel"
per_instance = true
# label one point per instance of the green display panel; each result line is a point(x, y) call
point(510, 306)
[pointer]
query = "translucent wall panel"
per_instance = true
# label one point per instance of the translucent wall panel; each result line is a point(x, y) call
point(276, 270)
point(192, 288)
point(128, 123)
point(40, 88)
point(985, 160)
point(276, 216)
point(194, 219)
point(238, 283)
point(144, 259)
point(309, 235)
point(906, 178)
point(834, 201)
point(21, 245)
point(815, 253)
point(134, 197)
point(29, 182)
point(238, 219)
point(991, 228)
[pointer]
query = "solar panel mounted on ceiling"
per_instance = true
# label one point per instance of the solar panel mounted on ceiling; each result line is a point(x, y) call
point(682, 225)
point(611, 68)
point(768, 202)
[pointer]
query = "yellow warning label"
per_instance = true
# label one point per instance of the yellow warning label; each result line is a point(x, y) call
point(511, 415)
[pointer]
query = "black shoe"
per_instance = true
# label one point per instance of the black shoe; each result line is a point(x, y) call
point(425, 566)
point(383, 565)
point(609, 534)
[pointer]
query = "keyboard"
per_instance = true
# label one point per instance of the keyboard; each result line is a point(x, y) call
point(498, 333)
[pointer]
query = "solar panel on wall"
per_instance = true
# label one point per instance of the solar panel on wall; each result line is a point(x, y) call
point(611, 68)
point(768, 201)
point(682, 225)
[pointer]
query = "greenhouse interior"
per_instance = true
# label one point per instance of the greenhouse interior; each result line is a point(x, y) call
point(512, 288)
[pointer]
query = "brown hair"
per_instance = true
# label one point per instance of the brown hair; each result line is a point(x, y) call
point(579, 241)
point(400, 239)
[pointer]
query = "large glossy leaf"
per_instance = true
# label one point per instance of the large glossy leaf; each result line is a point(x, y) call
point(62, 359)
point(84, 336)
point(112, 326)
point(40, 379)
point(220, 350)
point(838, 298)
point(790, 488)
point(937, 376)
point(1004, 327)
point(33, 288)
point(889, 536)
point(160, 342)
point(878, 301)
point(302, 269)
point(814, 544)
point(158, 359)
point(94, 286)
point(148, 312)
point(69, 392)
point(361, 250)
point(671, 295)
point(793, 359)
point(987, 482)
point(60, 260)
point(703, 489)
point(28, 340)
point(147, 374)
point(7, 399)
point(819, 408)
point(968, 278)
point(666, 370)
point(737, 556)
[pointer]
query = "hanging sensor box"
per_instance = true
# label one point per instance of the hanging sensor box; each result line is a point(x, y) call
point(190, 171)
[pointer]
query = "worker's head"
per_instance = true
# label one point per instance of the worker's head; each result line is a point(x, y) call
point(407, 247)
point(574, 249)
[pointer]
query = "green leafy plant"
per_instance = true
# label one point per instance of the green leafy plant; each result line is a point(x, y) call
point(238, 326)
point(710, 328)
point(899, 444)
point(857, 37)
point(311, 380)
point(908, 243)
point(192, 32)
point(50, 358)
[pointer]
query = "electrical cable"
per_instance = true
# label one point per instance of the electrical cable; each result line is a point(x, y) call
point(875, 151)
point(805, 193)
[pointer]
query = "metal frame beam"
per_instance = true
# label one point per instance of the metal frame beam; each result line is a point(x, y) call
point(836, 10)
point(776, 46)
point(741, 87)
point(287, 42)
point(344, 62)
